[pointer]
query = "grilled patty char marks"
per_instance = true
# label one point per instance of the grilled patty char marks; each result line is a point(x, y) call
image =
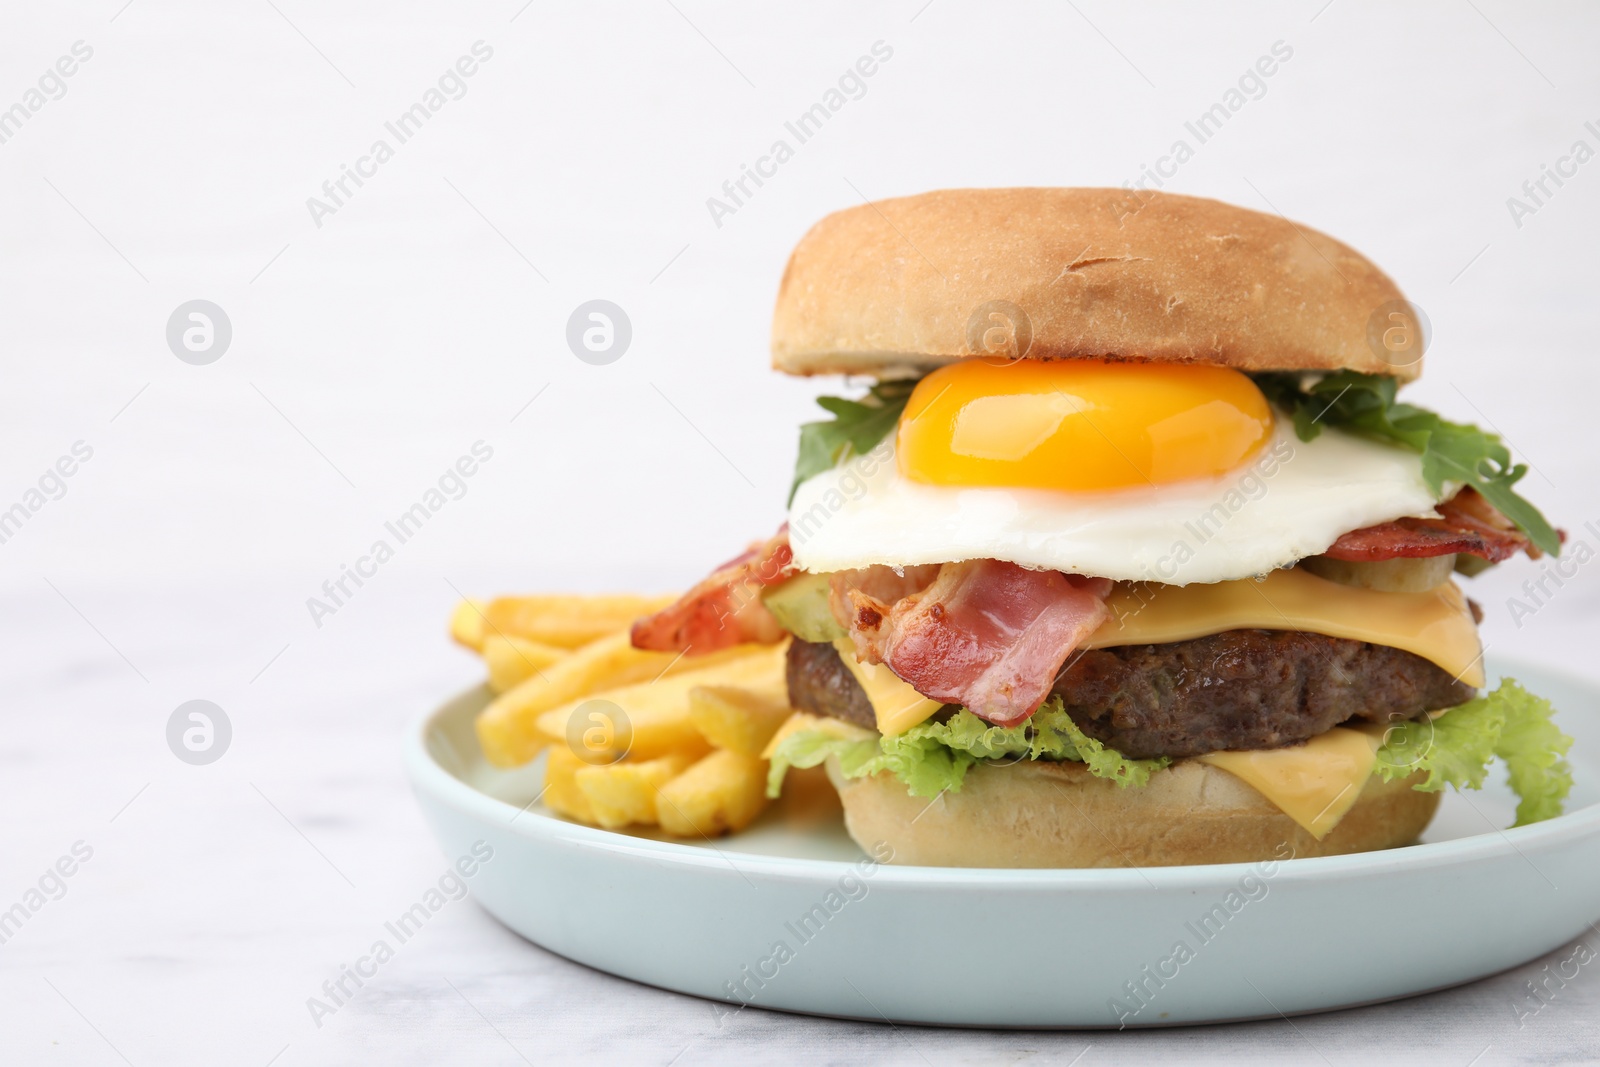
point(1241, 689)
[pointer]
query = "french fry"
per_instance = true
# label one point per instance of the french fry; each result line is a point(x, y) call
point(561, 792)
point(739, 719)
point(568, 621)
point(507, 728)
point(723, 792)
point(467, 624)
point(657, 712)
point(512, 660)
point(624, 793)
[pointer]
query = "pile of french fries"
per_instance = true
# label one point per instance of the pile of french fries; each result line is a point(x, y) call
point(631, 737)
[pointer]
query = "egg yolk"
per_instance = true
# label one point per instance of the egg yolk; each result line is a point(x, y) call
point(1079, 424)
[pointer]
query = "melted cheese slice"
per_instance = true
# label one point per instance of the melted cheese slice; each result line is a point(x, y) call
point(896, 705)
point(1436, 625)
point(1314, 784)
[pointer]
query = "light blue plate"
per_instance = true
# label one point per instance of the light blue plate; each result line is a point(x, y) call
point(792, 915)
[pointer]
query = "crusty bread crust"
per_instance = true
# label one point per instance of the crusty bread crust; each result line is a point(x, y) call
point(895, 287)
point(1059, 815)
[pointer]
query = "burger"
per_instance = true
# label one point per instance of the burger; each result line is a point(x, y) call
point(1128, 554)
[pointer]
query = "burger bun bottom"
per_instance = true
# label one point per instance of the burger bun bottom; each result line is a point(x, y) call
point(1043, 814)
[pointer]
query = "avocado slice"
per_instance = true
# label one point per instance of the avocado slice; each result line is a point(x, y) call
point(801, 606)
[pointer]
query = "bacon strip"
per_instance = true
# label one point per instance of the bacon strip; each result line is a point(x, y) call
point(1467, 523)
point(988, 635)
point(725, 608)
point(873, 590)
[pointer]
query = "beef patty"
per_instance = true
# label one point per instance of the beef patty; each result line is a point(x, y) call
point(1241, 689)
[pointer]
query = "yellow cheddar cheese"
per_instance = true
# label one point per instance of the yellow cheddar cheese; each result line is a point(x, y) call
point(1436, 625)
point(896, 705)
point(1314, 784)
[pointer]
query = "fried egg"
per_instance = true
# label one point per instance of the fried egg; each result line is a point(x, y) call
point(1135, 472)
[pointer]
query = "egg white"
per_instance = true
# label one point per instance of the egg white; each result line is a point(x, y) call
point(1292, 500)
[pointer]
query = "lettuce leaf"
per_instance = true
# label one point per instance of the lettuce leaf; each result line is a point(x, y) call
point(808, 748)
point(1049, 734)
point(1455, 750)
point(934, 757)
point(1451, 451)
point(926, 767)
point(855, 429)
point(1534, 750)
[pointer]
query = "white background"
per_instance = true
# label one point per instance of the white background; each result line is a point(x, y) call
point(369, 353)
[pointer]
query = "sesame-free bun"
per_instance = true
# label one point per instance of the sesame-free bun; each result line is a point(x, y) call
point(1041, 814)
point(897, 287)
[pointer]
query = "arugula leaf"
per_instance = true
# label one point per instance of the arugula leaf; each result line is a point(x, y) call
point(855, 429)
point(1455, 749)
point(1451, 451)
